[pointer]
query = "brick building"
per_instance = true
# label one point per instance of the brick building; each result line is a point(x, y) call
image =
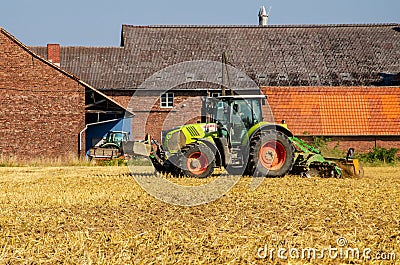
point(44, 109)
point(294, 63)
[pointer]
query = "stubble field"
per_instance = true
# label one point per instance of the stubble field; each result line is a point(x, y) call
point(100, 215)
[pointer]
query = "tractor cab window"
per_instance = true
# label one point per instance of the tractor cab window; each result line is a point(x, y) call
point(221, 112)
point(241, 120)
point(243, 113)
point(116, 137)
point(235, 116)
point(257, 111)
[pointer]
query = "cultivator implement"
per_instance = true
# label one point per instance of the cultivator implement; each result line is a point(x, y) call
point(310, 162)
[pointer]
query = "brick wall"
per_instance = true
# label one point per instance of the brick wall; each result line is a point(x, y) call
point(121, 96)
point(42, 109)
point(151, 118)
point(53, 53)
point(362, 144)
point(187, 110)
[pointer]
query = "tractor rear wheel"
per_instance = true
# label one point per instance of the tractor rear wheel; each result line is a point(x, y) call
point(197, 160)
point(271, 154)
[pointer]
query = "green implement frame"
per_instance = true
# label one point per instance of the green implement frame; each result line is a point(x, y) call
point(309, 160)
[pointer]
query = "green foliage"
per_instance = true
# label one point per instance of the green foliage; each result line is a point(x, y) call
point(134, 161)
point(321, 143)
point(139, 161)
point(380, 154)
point(112, 162)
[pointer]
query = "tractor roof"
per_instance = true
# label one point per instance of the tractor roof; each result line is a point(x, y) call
point(243, 97)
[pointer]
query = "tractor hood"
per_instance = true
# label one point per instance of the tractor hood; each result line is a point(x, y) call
point(178, 137)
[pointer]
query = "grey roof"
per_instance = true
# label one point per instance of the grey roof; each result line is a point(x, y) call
point(307, 55)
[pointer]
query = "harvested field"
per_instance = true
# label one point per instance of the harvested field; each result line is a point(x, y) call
point(100, 215)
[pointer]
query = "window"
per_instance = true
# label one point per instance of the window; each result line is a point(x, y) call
point(215, 94)
point(167, 100)
point(283, 77)
point(189, 76)
point(346, 76)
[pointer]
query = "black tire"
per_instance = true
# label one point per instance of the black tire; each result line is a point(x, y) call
point(271, 154)
point(197, 160)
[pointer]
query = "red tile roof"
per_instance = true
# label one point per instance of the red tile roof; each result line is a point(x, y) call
point(337, 110)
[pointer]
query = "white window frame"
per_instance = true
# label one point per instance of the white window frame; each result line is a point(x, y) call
point(165, 101)
point(215, 94)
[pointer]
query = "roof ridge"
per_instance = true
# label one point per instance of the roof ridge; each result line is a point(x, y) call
point(269, 26)
point(95, 47)
point(88, 47)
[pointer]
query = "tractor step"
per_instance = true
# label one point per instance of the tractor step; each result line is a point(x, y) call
point(236, 157)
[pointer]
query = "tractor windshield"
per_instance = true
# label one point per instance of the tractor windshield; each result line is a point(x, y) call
point(244, 115)
point(246, 111)
point(116, 137)
point(237, 115)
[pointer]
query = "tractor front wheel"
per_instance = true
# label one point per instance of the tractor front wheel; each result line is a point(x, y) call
point(197, 160)
point(271, 154)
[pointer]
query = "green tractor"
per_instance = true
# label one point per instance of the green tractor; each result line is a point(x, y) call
point(233, 135)
point(110, 147)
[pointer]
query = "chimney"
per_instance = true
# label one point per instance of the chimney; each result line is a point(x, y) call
point(263, 17)
point(53, 53)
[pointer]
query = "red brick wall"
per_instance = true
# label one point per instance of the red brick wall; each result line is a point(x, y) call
point(186, 110)
point(53, 53)
point(122, 97)
point(362, 144)
point(42, 109)
point(151, 118)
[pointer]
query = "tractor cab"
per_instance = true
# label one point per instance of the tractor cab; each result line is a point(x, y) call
point(115, 138)
point(235, 115)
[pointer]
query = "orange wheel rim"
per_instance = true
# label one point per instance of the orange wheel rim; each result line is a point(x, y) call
point(197, 163)
point(272, 155)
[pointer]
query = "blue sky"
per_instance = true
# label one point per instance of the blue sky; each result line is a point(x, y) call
point(98, 23)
